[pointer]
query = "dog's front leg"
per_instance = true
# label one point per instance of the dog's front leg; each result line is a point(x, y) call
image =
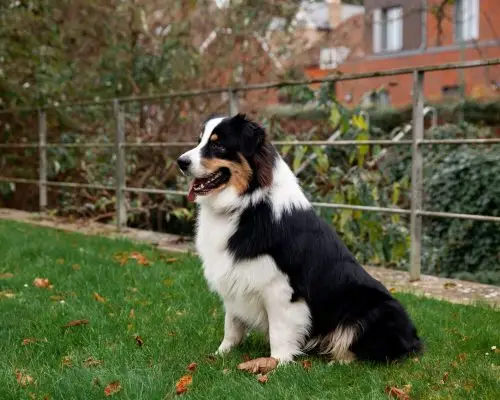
point(234, 332)
point(288, 326)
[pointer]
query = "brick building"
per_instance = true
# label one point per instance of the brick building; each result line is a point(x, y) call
point(403, 33)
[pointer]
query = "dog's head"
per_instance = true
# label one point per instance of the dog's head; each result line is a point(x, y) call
point(232, 154)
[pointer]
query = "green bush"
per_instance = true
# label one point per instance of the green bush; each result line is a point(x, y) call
point(467, 180)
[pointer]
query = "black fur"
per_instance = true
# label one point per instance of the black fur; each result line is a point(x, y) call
point(338, 291)
point(238, 136)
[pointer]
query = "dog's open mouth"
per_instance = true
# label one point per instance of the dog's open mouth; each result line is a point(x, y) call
point(203, 186)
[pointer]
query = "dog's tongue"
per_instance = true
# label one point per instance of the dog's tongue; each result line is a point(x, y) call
point(191, 195)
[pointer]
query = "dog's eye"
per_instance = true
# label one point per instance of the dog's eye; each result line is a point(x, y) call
point(218, 146)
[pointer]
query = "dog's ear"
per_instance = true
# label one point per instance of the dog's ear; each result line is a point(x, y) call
point(252, 135)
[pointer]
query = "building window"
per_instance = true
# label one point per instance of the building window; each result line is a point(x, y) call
point(387, 29)
point(330, 58)
point(466, 20)
point(376, 98)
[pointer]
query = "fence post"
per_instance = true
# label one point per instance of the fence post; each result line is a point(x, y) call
point(417, 175)
point(121, 211)
point(233, 102)
point(42, 151)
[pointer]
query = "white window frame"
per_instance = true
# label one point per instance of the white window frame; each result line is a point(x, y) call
point(332, 57)
point(387, 29)
point(466, 20)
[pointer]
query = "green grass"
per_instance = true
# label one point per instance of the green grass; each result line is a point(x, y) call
point(181, 322)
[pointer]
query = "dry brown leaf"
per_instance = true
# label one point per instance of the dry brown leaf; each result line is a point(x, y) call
point(76, 322)
point(67, 361)
point(445, 378)
point(32, 340)
point(42, 283)
point(260, 365)
point(397, 393)
point(8, 294)
point(392, 290)
point(140, 258)
point(449, 285)
point(92, 362)
point(76, 267)
point(462, 357)
point(139, 341)
point(307, 364)
point(131, 314)
point(60, 261)
point(192, 366)
point(112, 388)
point(23, 379)
point(6, 275)
point(182, 384)
point(226, 371)
point(262, 379)
point(98, 297)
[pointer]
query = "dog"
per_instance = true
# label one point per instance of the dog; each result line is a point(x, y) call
point(278, 267)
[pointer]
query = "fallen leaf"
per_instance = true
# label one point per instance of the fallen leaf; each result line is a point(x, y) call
point(23, 379)
point(226, 371)
point(112, 388)
point(6, 275)
point(182, 384)
point(445, 378)
point(77, 322)
point(76, 267)
point(56, 298)
point(7, 294)
point(260, 365)
point(262, 379)
point(192, 366)
point(397, 393)
point(92, 362)
point(67, 362)
point(140, 258)
point(392, 290)
point(307, 364)
point(42, 283)
point(415, 360)
point(32, 340)
point(171, 334)
point(99, 298)
point(449, 285)
point(462, 357)
point(60, 261)
point(131, 314)
point(139, 341)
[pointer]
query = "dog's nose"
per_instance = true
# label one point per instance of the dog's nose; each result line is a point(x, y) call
point(183, 163)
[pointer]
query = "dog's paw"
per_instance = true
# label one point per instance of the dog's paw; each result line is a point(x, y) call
point(223, 349)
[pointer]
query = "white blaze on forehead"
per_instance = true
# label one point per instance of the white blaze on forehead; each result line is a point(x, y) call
point(209, 128)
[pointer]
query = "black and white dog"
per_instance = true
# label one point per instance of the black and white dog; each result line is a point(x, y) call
point(278, 267)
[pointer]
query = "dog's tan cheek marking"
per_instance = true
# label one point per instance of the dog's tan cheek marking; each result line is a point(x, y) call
point(241, 173)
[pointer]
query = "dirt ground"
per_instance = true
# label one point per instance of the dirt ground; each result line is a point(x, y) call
point(451, 290)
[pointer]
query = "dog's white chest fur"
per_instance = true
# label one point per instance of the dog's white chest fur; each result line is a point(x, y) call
point(245, 286)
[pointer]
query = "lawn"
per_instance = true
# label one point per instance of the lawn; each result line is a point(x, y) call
point(147, 323)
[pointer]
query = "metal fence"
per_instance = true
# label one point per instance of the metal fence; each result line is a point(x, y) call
point(416, 212)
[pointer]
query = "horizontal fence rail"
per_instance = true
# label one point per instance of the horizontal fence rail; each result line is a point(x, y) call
point(119, 146)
